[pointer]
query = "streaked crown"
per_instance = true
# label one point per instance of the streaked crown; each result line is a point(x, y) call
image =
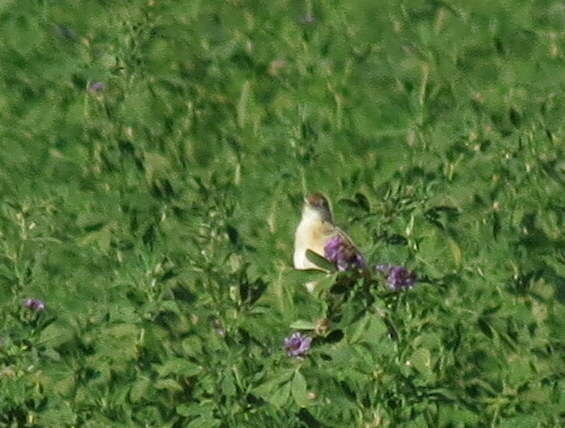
point(319, 203)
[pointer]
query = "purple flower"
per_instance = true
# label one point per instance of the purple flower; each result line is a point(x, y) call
point(95, 87)
point(308, 19)
point(218, 328)
point(297, 345)
point(343, 254)
point(34, 305)
point(67, 33)
point(397, 277)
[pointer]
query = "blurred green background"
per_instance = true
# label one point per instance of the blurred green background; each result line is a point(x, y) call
point(154, 159)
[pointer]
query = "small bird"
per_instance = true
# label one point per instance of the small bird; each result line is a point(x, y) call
point(317, 232)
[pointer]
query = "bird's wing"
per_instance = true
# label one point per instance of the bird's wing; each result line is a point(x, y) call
point(347, 239)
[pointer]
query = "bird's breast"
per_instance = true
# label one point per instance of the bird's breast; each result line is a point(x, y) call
point(310, 235)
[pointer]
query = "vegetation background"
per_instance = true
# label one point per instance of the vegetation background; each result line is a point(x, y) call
point(154, 159)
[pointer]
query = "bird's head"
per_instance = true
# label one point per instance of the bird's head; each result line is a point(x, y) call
point(316, 203)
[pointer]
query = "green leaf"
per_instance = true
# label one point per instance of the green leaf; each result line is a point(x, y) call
point(417, 422)
point(204, 421)
point(357, 329)
point(169, 305)
point(197, 409)
point(522, 421)
point(303, 325)
point(276, 390)
point(279, 397)
point(325, 283)
point(62, 415)
point(273, 383)
point(228, 384)
point(192, 345)
point(178, 366)
point(64, 386)
point(139, 390)
point(320, 261)
point(421, 359)
point(299, 392)
point(122, 330)
point(169, 385)
point(305, 275)
point(102, 238)
point(242, 104)
point(56, 334)
point(155, 164)
point(455, 251)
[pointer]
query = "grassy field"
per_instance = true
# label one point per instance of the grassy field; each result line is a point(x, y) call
point(155, 155)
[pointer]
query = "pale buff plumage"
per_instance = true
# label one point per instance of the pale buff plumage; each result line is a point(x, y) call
point(314, 231)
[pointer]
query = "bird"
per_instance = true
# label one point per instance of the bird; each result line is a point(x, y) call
point(317, 232)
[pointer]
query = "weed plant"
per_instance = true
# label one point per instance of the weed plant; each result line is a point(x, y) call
point(154, 159)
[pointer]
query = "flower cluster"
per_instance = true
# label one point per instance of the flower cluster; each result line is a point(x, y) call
point(96, 87)
point(343, 254)
point(35, 305)
point(397, 277)
point(297, 345)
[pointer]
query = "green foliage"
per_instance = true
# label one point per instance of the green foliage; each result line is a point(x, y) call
point(154, 213)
